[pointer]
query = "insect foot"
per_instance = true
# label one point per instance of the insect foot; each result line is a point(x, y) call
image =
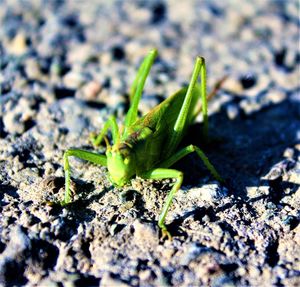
point(165, 233)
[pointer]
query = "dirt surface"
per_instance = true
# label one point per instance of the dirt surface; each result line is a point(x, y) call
point(66, 66)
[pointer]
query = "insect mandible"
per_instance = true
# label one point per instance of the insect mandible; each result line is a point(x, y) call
point(147, 146)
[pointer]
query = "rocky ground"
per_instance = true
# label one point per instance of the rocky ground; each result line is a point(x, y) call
point(66, 66)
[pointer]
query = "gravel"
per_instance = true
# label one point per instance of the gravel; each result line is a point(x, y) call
point(65, 66)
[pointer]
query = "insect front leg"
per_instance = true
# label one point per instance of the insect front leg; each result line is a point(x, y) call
point(111, 123)
point(82, 154)
point(187, 150)
point(161, 173)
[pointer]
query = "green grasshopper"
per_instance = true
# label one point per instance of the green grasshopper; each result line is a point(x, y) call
point(148, 146)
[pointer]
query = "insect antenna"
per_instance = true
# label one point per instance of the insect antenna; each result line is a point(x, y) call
point(214, 91)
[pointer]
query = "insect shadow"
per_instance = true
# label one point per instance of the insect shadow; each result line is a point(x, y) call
point(245, 149)
point(249, 146)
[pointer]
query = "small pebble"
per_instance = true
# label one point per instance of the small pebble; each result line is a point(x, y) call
point(110, 280)
point(254, 191)
point(290, 220)
point(191, 252)
point(32, 69)
point(80, 53)
point(275, 96)
point(233, 85)
point(209, 192)
point(144, 234)
point(145, 275)
point(232, 111)
point(289, 153)
point(91, 90)
point(73, 80)
point(18, 45)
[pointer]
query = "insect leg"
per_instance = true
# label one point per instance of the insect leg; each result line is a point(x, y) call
point(86, 155)
point(160, 173)
point(137, 88)
point(187, 150)
point(112, 123)
point(180, 124)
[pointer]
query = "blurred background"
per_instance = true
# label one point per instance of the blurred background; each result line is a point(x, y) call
point(91, 49)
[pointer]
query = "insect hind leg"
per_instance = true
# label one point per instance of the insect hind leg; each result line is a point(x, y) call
point(187, 150)
point(180, 124)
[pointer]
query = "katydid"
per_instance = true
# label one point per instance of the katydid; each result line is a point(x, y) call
point(148, 146)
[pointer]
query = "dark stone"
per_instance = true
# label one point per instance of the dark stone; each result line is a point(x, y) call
point(118, 53)
point(159, 12)
point(61, 93)
point(248, 81)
